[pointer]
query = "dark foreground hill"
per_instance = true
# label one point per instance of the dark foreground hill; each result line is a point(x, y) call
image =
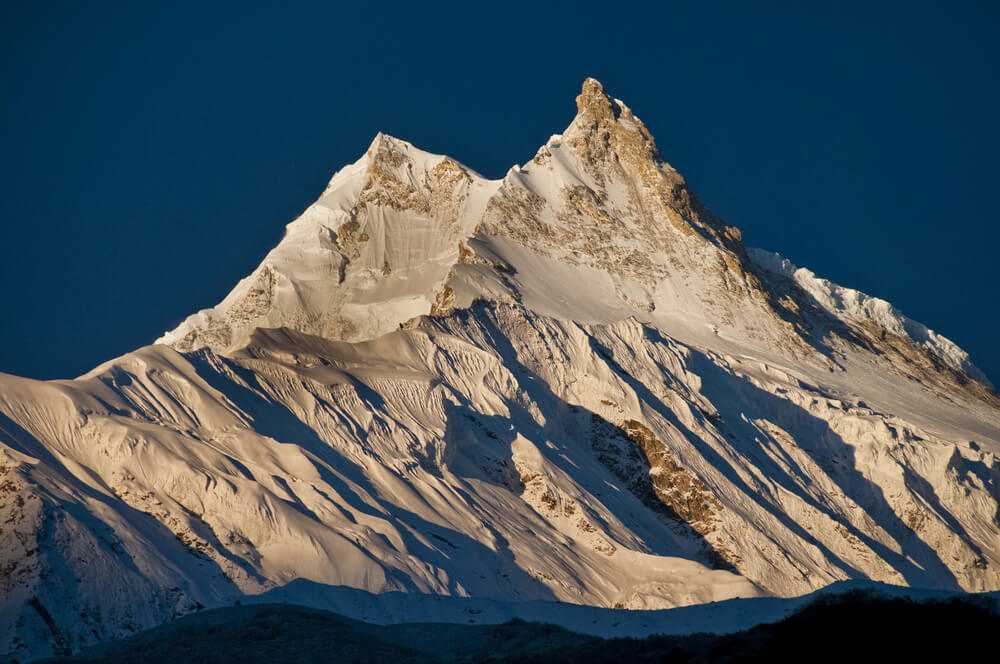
point(856, 626)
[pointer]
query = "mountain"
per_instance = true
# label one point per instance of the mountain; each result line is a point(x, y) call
point(573, 384)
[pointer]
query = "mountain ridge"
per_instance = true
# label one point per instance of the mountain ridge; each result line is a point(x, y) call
point(376, 178)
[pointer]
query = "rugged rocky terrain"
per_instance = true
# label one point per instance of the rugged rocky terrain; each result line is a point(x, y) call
point(570, 384)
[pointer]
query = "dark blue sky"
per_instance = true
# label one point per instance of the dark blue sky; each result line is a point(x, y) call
point(151, 156)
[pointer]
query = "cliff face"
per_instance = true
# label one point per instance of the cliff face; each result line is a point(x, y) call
point(573, 384)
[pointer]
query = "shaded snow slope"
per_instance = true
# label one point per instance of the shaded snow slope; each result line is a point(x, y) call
point(572, 384)
point(848, 305)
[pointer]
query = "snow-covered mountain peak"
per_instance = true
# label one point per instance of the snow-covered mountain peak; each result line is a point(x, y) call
point(394, 155)
point(572, 384)
point(403, 232)
point(371, 253)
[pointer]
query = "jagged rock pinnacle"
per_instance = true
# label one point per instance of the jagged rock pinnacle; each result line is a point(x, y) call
point(595, 102)
point(612, 123)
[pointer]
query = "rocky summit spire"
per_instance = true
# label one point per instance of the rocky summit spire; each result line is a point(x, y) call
point(610, 143)
point(593, 100)
point(604, 124)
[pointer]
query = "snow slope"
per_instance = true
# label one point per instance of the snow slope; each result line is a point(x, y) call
point(850, 305)
point(572, 384)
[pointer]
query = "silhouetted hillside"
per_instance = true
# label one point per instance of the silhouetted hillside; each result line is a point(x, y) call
point(856, 626)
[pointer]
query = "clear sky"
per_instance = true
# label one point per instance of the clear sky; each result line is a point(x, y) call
point(152, 155)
